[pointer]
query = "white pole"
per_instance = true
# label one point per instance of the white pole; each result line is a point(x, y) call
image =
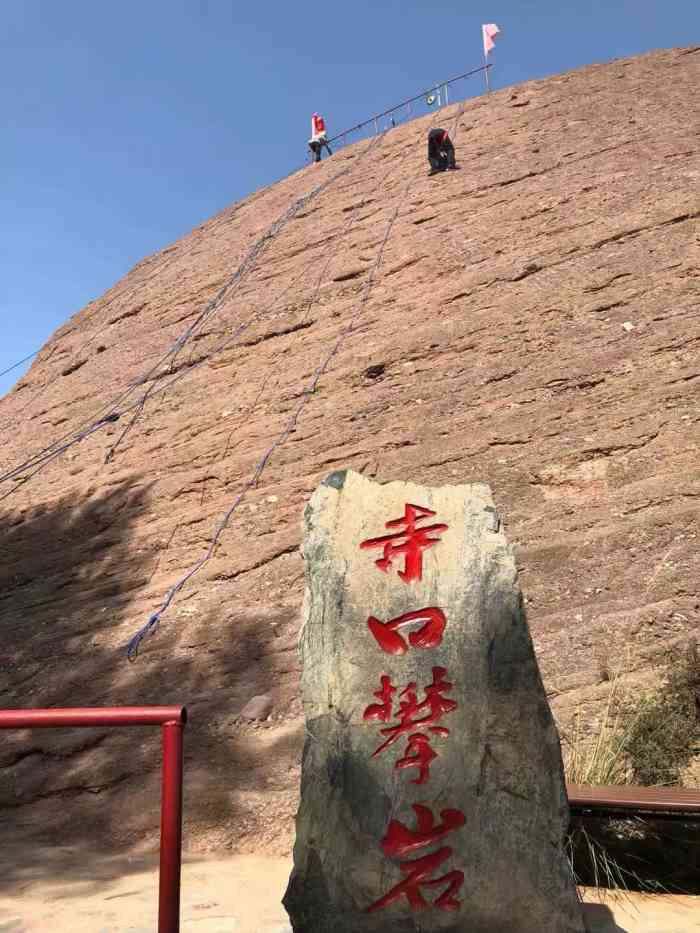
point(486, 59)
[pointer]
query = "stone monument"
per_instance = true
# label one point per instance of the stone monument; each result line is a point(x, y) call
point(432, 790)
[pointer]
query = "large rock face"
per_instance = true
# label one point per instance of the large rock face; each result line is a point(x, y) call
point(417, 808)
point(533, 324)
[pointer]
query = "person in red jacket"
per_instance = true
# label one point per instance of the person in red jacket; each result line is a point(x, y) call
point(441, 152)
point(318, 137)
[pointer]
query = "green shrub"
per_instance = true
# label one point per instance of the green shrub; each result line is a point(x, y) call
point(662, 727)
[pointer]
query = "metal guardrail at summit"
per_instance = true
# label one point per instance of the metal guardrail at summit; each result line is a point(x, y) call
point(439, 93)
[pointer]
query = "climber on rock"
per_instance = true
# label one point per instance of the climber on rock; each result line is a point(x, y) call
point(318, 137)
point(441, 152)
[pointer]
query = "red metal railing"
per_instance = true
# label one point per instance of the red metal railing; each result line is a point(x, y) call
point(172, 721)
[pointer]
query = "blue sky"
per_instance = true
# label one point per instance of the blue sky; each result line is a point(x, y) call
point(126, 124)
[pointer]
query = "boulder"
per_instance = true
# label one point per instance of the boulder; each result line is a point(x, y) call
point(432, 792)
point(257, 707)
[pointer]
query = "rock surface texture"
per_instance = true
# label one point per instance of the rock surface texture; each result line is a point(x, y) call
point(488, 347)
point(415, 810)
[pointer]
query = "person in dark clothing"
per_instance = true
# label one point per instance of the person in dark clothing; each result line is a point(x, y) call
point(441, 152)
point(316, 145)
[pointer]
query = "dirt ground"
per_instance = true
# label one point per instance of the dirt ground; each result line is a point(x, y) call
point(65, 893)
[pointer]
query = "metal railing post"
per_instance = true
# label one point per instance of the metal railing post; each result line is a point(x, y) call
point(170, 829)
point(171, 719)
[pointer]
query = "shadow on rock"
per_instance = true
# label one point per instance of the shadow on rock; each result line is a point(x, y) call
point(72, 582)
point(599, 919)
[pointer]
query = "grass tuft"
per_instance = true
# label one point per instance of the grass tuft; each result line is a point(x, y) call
point(603, 761)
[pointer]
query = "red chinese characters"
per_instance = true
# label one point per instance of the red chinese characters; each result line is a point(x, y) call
point(381, 711)
point(399, 840)
point(410, 542)
point(413, 715)
point(435, 705)
point(419, 754)
point(429, 635)
point(419, 721)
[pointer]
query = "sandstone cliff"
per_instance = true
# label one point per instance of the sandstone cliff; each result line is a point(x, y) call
point(533, 324)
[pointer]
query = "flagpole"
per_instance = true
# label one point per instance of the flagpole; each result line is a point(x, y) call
point(489, 31)
point(486, 60)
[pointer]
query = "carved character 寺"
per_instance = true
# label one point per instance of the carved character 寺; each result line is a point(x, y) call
point(410, 542)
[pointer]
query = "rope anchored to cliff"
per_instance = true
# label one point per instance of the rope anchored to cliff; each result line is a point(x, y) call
point(105, 415)
point(153, 620)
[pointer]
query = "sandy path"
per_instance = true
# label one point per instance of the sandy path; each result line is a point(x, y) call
point(233, 894)
point(219, 895)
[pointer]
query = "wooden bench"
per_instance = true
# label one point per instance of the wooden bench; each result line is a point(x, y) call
point(669, 802)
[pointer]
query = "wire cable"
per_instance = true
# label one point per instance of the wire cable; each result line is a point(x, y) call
point(19, 363)
point(47, 455)
point(100, 309)
point(234, 281)
point(109, 412)
point(59, 446)
point(154, 619)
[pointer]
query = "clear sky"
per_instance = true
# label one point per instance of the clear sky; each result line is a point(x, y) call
point(126, 124)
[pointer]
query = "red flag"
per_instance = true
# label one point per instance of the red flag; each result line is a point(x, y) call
point(490, 31)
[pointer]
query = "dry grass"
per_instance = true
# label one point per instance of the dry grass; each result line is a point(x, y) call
point(605, 873)
point(640, 740)
point(645, 739)
point(605, 760)
point(600, 762)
